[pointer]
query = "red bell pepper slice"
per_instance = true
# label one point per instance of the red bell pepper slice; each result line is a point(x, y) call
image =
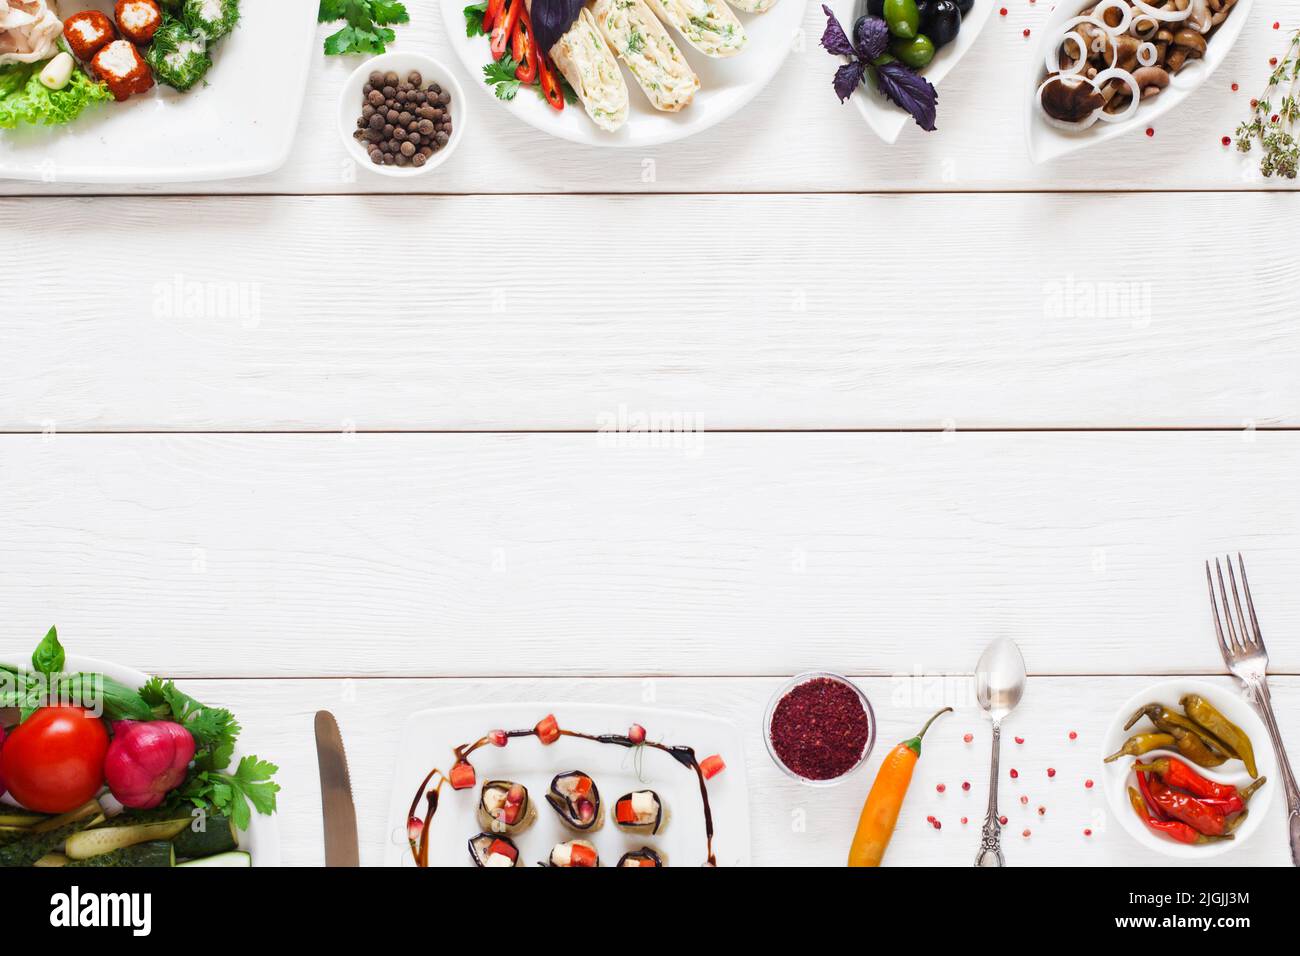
point(623, 812)
point(504, 28)
point(545, 70)
point(494, 8)
point(504, 848)
point(524, 53)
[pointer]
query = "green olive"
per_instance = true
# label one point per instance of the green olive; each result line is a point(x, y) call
point(903, 18)
point(916, 52)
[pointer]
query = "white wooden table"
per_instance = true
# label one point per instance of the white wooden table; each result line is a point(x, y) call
point(923, 396)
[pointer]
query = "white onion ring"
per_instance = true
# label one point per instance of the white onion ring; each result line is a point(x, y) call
point(1147, 54)
point(1126, 14)
point(1163, 15)
point(1114, 73)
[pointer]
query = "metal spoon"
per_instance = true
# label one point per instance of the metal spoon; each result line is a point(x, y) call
point(999, 684)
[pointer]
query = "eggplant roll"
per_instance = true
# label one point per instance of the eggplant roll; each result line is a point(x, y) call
point(640, 41)
point(586, 61)
point(753, 6)
point(505, 807)
point(577, 800)
point(640, 811)
point(707, 25)
point(642, 857)
point(489, 849)
point(574, 853)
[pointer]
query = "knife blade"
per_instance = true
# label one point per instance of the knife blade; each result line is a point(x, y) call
point(337, 809)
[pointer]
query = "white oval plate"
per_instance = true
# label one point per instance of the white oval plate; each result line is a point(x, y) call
point(887, 120)
point(725, 85)
point(262, 838)
point(1046, 142)
point(1117, 777)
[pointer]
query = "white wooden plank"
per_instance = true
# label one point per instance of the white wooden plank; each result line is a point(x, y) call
point(796, 136)
point(831, 312)
point(410, 555)
point(792, 825)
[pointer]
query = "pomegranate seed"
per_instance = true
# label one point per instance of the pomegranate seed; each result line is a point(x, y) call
point(414, 827)
point(586, 810)
point(1227, 140)
point(515, 795)
point(498, 738)
point(1042, 811)
point(1087, 831)
point(1074, 735)
point(938, 825)
point(636, 734)
point(1002, 820)
point(965, 784)
point(940, 787)
point(1002, 12)
point(1014, 773)
point(930, 818)
point(968, 738)
point(963, 821)
point(1025, 834)
point(1024, 801)
point(1051, 772)
point(1020, 740)
point(1150, 131)
point(1087, 784)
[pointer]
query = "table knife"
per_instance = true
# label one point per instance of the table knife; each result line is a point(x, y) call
point(337, 809)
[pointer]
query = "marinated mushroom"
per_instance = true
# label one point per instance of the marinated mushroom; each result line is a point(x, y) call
point(1135, 48)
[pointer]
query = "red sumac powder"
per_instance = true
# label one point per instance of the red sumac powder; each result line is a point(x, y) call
point(819, 729)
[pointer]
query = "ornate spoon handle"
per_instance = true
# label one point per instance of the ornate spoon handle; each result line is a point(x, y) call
point(990, 853)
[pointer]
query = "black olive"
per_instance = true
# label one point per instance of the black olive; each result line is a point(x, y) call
point(964, 6)
point(876, 8)
point(924, 7)
point(944, 22)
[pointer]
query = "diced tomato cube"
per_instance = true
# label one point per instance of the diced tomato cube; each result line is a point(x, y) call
point(504, 848)
point(548, 729)
point(644, 862)
point(580, 855)
point(581, 786)
point(462, 776)
point(623, 812)
point(712, 766)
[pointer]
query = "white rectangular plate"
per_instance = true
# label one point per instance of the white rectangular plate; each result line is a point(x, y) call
point(429, 736)
point(242, 123)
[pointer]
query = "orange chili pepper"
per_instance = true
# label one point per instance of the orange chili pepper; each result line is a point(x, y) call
point(885, 801)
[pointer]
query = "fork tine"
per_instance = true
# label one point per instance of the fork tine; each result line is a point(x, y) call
point(1250, 603)
point(1247, 638)
point(1227, 610)
point(1214, 611)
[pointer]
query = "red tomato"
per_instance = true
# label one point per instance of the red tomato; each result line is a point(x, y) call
point(53, 761)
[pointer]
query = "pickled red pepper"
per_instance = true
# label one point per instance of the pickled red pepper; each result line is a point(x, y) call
point(1200, 816)
point(1174, 829)
point(1175, 773)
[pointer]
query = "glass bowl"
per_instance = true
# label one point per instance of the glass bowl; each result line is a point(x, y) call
point(790, 685)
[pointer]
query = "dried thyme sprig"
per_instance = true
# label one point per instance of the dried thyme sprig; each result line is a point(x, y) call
point(1270, 125)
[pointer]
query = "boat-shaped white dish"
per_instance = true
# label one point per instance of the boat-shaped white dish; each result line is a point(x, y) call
point(1047, 142)
point(887, 120)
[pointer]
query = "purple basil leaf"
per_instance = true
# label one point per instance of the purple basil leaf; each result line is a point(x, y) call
point(870, 37)
point(835, 39)
point(909, 90)
point(847, 78)
point(551, 20)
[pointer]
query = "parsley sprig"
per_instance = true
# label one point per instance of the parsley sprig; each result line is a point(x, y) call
point(211, 784)
point(368, 31)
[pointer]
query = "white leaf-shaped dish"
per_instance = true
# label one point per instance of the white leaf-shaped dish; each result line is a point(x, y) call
point(1047, 142)
point(887, 120)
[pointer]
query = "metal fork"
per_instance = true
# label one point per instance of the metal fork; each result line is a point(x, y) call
point(1247, 658)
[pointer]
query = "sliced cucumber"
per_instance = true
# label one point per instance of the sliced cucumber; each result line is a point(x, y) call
point(18, 817)
point(50, 835)
point(233, 858)
point(9, 834)
point(52, 859)
point(106, 839)
point(154, 853)
point(217, 836)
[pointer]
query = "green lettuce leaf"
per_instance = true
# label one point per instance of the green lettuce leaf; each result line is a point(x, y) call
point(24, 99)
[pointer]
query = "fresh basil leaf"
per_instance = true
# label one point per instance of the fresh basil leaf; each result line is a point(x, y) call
point(847, 79)
point(909, 90)
point(49, 658)
point(834, 39)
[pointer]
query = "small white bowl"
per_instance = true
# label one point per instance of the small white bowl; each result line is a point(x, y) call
point(350, 106)
point(1117, 777)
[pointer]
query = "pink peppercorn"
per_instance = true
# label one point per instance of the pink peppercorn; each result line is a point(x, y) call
point(1051, 772)
point(1014, 773)
point(964, 821)
point(1024, 801)
point(1020, 740)
point(1025, 834)
point(1087, 784)
point(1087, 831)
point(1074, 735)
point(965, 784)
point(968, 738)
point(940, 787)
point(1002, 820)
